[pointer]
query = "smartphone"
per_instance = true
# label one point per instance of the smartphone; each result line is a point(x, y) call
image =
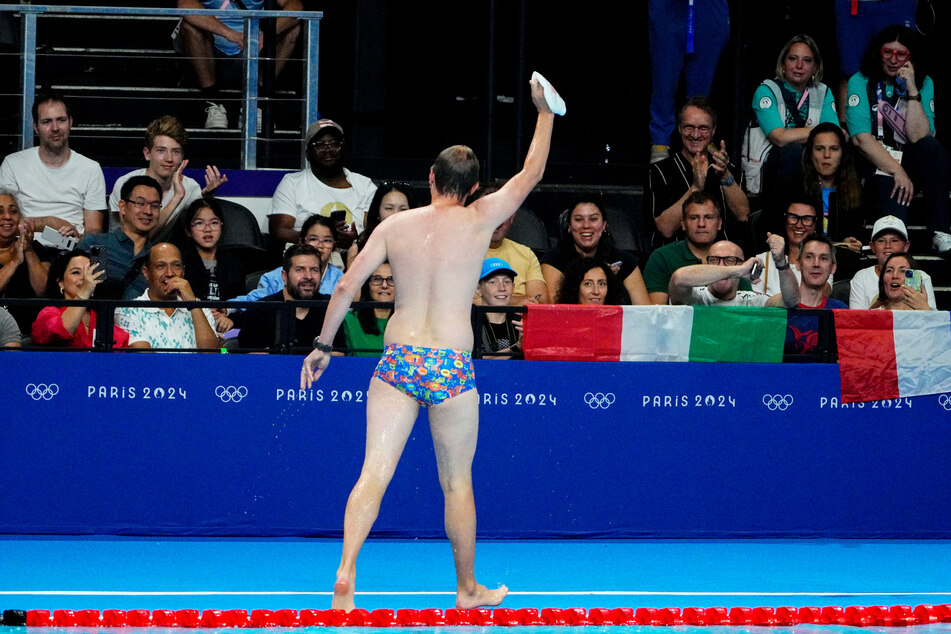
point(338, 216)
point(756, 271)
point(58, 240)
point(97, 255)
point(913, 279)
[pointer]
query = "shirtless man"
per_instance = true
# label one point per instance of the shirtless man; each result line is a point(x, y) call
point(435, 253)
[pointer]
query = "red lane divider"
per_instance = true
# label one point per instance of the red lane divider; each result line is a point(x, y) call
point(853, 615)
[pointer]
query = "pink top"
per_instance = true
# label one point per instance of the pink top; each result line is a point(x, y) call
point(48, 330)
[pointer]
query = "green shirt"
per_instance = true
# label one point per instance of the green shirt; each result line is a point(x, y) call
point(357, 338)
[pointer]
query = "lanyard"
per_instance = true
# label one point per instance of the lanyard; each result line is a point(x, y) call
point(691, 21)
point(880, 131)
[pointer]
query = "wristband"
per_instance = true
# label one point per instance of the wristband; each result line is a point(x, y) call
point(913, 97)
point(783, 267)
point(729, 181)
point(323, 347)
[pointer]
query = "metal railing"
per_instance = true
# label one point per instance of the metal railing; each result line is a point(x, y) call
point(284, 335)
point(30, 14)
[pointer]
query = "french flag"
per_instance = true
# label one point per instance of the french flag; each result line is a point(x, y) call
point(886, 354)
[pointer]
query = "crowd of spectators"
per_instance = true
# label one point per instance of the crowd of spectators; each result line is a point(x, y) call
point(819, 175)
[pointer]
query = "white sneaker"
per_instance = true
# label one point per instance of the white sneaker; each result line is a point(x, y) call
point(217, 117)
point(941, 242)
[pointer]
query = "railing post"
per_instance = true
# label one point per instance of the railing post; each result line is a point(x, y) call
point(27, 77)
point(249, 149)
point(311, 54)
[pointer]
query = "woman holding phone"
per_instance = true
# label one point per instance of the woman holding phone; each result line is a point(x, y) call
point(900, 286)
point(72, 276)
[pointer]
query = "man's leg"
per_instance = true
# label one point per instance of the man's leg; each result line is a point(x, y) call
point(390, 418)
point(455, 429)
point(199, 46)
point(286, 41)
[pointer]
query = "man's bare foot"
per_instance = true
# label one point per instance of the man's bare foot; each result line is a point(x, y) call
point(479, 597)
point(343, 595)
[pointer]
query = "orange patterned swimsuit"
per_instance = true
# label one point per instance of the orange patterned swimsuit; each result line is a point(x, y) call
point(429, 375)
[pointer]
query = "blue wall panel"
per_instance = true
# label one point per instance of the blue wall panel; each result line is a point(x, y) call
point(142, 444)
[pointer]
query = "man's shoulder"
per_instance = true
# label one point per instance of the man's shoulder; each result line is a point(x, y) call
point(358, 180)
point(512, 247)
point(835, 303)
point(670, 166)
point(671, 250)
point(81, 161)
point(18, 159)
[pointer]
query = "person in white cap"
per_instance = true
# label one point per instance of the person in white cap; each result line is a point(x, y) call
point(889, 235)
point(326, 188)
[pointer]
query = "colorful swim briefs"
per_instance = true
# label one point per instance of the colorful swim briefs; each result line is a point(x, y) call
point(429, 375)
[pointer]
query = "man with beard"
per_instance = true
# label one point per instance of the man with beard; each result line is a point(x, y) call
point(56, 186)
point(301, 274)
point(327, 187)
point(167, 327)
point(701, 221)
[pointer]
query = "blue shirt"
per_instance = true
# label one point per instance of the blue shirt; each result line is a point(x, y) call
point(272, 282)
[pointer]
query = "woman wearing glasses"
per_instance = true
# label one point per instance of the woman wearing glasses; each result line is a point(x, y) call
point(789, 106)
point(363, 327)
point(890, 114)
point(801, 220)
point(212, 271)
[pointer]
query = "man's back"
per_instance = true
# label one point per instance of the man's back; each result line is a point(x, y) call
point(436, 253)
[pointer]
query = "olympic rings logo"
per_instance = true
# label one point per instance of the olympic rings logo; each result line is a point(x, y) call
point(598, 400)
point(777, 401)
point(945, 401)
point(230, 393)
point(42, 391)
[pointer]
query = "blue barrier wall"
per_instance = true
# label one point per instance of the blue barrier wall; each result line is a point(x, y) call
point(165, 444)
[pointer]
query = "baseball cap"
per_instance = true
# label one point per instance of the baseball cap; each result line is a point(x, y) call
point(319, 125)
point(889, 223)
point(491, 266)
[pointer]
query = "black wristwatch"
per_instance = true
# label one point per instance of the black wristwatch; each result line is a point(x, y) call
point(323, 347)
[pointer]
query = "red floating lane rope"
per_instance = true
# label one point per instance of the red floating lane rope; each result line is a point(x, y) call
point(854, 615)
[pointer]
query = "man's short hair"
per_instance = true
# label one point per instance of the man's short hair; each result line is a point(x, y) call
point(701, 102)
point(701, 198)
point(455, 171)
point(50, 97)
point(316, 219)
point(817, 237)
point(295, 250)
point(135, 181)
point(166, 126)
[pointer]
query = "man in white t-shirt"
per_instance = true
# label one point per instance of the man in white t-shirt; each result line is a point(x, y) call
point(327, 188)
point(716, 283)
point(889, 235)
point(165, 140)
point(56, 187)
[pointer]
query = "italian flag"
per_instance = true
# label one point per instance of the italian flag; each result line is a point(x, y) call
point(891, 354)
point(654, 333)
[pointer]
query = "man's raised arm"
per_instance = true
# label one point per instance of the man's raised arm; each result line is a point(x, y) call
point(500, 205)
